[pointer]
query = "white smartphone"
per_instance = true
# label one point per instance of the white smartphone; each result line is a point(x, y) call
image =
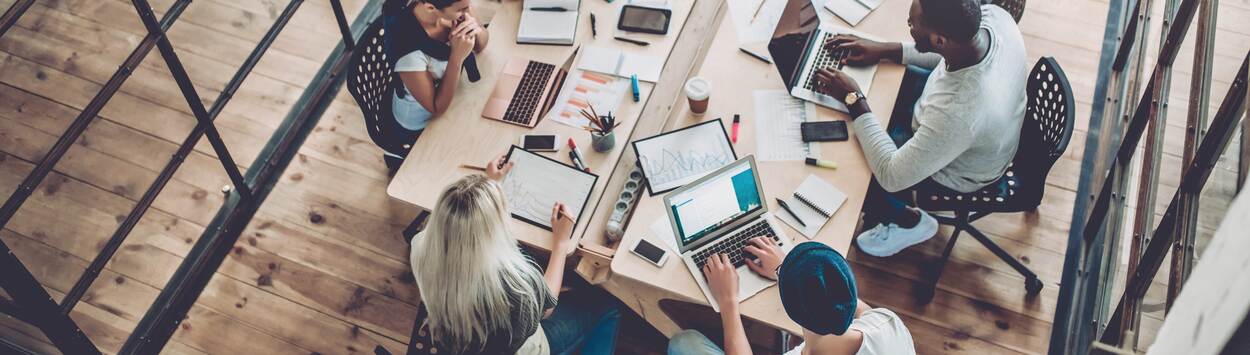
point(540, 142)
point(650, 252)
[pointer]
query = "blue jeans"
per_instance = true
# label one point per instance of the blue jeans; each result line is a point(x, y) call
point(585, 319)
point(692, 342)
point(883, 207)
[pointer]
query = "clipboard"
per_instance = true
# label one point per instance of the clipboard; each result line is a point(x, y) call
point(651, 188)
point(550, 168)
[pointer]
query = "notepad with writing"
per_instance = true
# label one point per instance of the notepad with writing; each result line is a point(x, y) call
point(815, 202)
point(548, 27)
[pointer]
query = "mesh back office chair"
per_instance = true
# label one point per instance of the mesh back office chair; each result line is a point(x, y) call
point(369, 81)
point(1044, 137)
point(1014, 7)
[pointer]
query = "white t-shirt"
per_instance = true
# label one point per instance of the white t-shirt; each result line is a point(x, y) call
point(884, 333)
point(410, 114)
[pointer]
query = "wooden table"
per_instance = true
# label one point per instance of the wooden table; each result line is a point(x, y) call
point(462, 136)
point(734, 77)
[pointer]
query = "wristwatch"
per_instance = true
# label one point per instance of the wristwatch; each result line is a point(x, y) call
point(856, 103)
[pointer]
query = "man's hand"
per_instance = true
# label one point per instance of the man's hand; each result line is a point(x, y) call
point(496, 169)
point(561, 230)
point(835, 83)
point(767, 256)
point(722, 279)
point(863, 51)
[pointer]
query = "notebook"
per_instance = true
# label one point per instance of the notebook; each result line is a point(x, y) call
point(852, 11)
point(613, 61)
point(815, 201)
point(548, 27)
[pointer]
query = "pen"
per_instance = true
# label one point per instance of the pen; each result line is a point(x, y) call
point(827, 164)
point(756, 56)
point(576, 155)
point(593, 32)
point(631, 40)
point(735, 128)
point(786, 207)
point(471, 167)
point(634, 80)
point(549, 9)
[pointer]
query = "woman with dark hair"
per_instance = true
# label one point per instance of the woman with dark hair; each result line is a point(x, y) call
point(428, 43)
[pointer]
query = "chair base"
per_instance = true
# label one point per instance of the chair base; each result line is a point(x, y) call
point(963, 223)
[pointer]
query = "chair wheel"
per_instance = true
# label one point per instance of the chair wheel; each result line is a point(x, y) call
point(1033, 285)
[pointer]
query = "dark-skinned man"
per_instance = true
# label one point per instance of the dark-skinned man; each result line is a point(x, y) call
point(962, 103)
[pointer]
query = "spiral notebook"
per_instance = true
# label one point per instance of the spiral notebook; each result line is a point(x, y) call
point(815, 202)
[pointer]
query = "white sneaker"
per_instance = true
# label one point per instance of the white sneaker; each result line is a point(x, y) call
point(886, 240)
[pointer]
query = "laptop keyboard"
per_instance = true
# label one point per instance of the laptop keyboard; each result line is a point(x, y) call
point(825, 58)
point(732, 246)
point(529, 93)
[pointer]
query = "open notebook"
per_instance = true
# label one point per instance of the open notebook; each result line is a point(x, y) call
point(852, 11)
point(548, 22)
point(815, 201)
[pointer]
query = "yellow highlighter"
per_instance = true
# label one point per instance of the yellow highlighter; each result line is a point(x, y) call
point(827, 164)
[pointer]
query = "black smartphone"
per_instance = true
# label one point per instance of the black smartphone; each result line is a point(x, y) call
point(644, 19)
point(540, 142)
point(650, 252)
point(825, 131)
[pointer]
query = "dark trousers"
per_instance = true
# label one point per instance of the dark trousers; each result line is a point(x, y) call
point(392, 162)
point(883, 207)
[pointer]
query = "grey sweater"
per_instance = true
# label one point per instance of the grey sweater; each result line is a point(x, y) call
point(966, 123)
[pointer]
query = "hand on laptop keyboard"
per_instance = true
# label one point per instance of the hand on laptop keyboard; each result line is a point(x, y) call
point(864, 51)
point(766, 256)
point(722, 280)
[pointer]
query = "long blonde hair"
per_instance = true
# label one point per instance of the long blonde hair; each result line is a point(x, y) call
point(469, 270)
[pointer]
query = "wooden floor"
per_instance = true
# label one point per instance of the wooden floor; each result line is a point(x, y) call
point(322, 267)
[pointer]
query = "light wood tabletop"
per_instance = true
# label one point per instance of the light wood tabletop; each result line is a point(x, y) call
point(462, 136)
point(735, 77)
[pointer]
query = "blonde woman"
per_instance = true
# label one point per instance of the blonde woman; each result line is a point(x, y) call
point(484, 296)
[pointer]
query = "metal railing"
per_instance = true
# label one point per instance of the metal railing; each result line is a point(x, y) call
point(32, 304)
point(1084, 319)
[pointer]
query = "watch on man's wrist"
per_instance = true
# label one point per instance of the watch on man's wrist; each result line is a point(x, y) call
point(856, 103)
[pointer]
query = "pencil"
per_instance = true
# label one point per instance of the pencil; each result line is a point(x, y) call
point(757, 10)
point(472, 167)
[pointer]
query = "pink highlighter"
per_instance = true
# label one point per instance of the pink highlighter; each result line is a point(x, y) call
point(734, 137)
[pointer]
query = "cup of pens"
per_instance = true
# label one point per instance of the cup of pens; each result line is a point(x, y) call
point(602, 130)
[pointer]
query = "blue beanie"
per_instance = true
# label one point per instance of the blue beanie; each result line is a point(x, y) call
point(818, 289)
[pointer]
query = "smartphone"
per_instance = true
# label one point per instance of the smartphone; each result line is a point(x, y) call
point(650, 252)
point(644, 19)
point(540, 142)
point(823, 131)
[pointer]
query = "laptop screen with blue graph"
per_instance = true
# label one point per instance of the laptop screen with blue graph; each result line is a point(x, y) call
point(700, 210)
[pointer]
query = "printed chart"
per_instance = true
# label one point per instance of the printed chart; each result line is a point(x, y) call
point(676, 158)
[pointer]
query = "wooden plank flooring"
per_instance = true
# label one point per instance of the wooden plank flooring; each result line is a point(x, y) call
point(323, 269)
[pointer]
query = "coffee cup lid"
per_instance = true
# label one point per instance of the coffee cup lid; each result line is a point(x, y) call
point(698, 89)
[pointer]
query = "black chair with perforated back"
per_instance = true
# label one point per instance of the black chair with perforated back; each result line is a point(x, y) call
point(1014, 7)
point(369, 81)
point(1044, 137)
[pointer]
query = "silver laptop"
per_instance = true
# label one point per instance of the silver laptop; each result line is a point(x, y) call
point(798, 51)
point(719, 213)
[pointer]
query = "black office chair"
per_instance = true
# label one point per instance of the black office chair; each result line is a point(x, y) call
point(1044, 136)
point(369, 81)
point(1014, 7)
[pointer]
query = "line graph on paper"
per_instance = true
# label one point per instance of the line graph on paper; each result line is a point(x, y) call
point(536, 183)
point(679, 157)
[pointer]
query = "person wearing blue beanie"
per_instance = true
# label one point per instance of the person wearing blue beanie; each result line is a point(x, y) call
point(818, 292)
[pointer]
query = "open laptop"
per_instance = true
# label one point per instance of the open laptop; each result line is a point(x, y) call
point(798, 51)
point(719, 213)
point(526, 90)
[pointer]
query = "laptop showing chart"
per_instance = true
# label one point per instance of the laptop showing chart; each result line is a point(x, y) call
point(676, 158)
point(536, 183)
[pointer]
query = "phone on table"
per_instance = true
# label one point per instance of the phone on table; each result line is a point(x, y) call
point(650, 252)
point(644, 19)
point(823, 131)
point(540, 142)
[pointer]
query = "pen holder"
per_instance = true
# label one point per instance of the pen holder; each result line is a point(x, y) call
point(603, 142)
point(625, 203)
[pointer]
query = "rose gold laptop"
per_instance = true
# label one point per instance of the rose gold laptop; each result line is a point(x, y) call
point(526, 90)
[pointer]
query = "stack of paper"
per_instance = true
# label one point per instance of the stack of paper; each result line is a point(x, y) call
point(613, 61)
point(548, 22)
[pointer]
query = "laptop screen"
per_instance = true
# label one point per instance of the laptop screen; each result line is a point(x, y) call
point(717, 201)
point(789, 42)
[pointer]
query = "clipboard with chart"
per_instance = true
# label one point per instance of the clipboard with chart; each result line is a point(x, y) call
point(673, 159)
point(537, 182)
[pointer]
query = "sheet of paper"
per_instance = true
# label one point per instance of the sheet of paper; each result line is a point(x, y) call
point(777, 133)
point(536, 183)
point(676, 158)
point(754, 31)
point(614, 61)
point(587, 89)
point(663, 232)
